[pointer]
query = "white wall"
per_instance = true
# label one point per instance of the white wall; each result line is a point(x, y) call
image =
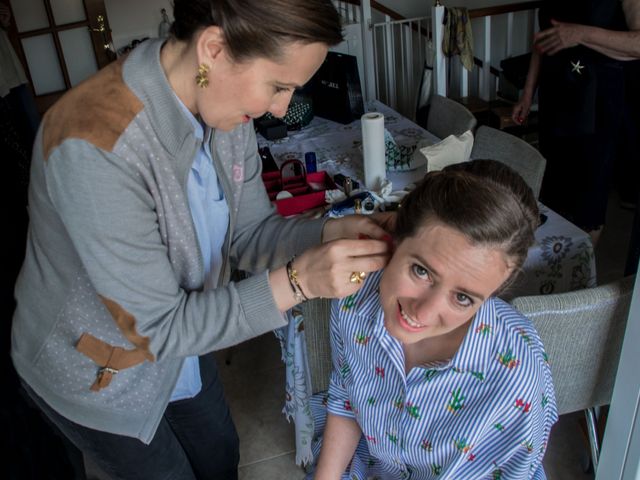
point(135, 19)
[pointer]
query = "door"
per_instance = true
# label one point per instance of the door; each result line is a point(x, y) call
point(60, 43)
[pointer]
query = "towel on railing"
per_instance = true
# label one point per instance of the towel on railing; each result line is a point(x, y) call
point(458, 39)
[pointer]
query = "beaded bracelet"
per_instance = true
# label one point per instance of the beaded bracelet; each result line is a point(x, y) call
point(292, 274)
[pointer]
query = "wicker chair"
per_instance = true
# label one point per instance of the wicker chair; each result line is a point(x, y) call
point(582, 332)
point(448, 117)
point(513, 151)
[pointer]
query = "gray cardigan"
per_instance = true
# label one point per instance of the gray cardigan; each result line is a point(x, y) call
point(113, 273)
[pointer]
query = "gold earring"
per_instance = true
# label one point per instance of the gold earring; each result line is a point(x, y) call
point(201, 78)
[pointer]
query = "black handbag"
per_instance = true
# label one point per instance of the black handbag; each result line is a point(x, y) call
point(337, 94)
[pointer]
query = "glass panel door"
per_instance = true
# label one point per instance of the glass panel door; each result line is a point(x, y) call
point(29, 15)
point(67, 11)
point(60, 43)
point(78, 54)
point(46, 74)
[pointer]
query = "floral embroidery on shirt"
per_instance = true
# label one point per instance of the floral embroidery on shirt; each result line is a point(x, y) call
point(471, 457)
point(478, 375)
point(371, 401)
point(545, 400)
point(380, 372)
point(429, 374)
point(361, 338)
point(525, 336)
point(462, 445)
point(499, 427)
point(392, 437)
point(349, 302)
point(496, 474)
point(484, 329)
point(426, 445)
point(436, 469)
point(413, 411)
point(528, 445)
point(508, 359)
point(347, 406)
point(455, 404)
point(398, 403)
point(371, 439)
point(523, 405)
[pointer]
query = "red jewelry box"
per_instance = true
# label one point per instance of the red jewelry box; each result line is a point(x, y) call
point(307, 188)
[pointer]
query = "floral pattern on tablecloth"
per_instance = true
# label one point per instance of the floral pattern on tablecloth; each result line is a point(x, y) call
point(297, 384)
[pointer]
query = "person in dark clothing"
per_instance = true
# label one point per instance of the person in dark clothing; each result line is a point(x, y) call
point(577, 65)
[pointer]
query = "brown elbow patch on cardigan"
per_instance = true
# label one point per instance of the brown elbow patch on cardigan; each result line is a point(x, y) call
point(97, 110)
point(113, 359)
point(127, 325)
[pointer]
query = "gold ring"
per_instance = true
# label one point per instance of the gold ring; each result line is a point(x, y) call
point(357, 277)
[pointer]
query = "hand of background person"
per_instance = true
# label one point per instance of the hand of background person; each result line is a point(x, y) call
point(560, 36)
point(521, 109)
point(325, 270)
point(5, 15)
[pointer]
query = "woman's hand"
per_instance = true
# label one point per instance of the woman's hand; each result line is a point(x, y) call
point(377, 225)
point(560, 36)
point(326, 270)
point(521, 109)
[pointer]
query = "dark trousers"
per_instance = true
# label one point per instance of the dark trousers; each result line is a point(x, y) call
point(196, 438)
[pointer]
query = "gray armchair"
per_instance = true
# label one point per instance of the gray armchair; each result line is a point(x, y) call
point(513, 151)
point(582, 332)
point(448, 117)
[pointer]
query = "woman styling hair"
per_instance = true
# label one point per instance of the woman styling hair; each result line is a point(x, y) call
point(145, 194)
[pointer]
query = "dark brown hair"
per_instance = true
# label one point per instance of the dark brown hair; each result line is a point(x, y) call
point(485, 200)
point(259, 28)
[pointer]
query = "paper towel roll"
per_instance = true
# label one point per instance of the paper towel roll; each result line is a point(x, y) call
point(373, 149)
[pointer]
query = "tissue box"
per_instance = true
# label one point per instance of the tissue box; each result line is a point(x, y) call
point(307, 193)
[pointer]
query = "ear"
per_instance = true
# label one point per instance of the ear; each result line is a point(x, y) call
point(210, 45)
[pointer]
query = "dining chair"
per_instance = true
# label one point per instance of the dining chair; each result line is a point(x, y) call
point(582, 333)
point(448, 117)
point(495, 144)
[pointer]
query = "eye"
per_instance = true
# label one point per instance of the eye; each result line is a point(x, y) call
point(464, 300)
point(420, 272)
point(281, 89)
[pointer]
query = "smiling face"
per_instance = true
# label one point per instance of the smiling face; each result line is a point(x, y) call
point(435, 283)
point(238, 92)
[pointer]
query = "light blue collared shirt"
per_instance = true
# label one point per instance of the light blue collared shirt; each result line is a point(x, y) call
point(210, 214)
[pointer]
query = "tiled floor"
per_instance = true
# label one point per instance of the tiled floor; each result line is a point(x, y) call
point(254, 384)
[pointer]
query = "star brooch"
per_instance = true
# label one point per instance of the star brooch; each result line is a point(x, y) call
point(576, 67)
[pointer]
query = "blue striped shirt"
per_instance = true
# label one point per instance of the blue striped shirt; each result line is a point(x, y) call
point(484, 414)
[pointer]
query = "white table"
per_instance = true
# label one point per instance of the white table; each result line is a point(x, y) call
point(338, 147)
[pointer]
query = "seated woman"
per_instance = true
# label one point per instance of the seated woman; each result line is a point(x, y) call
point(435, 377)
